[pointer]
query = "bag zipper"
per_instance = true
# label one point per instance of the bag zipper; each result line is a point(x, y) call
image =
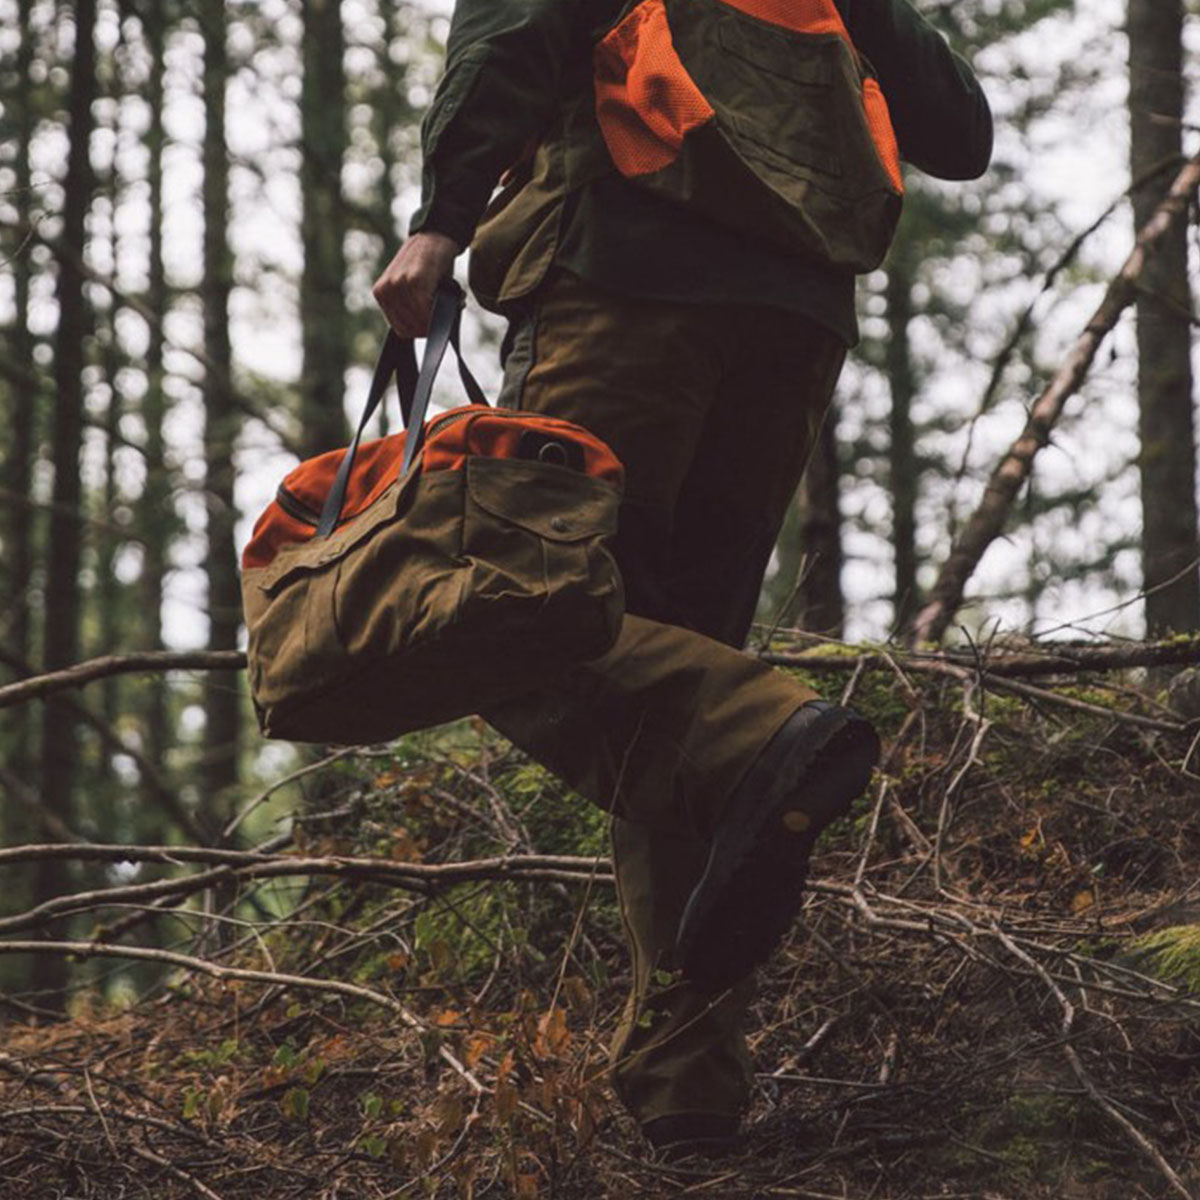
point(295, 507)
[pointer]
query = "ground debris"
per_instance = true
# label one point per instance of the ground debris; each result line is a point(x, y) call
point(992, 992)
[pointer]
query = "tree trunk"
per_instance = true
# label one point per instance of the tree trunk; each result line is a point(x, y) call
point(324, 329)
point(820, 607)
point(903, 462)
point(156, 518)
point(59, 739)
point(1168, 459)
point(18, 455)
point(219, 767)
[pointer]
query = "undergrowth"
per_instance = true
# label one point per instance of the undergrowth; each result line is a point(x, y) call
point(1013, 859)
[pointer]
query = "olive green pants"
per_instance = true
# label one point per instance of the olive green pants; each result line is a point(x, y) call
point(713, 410)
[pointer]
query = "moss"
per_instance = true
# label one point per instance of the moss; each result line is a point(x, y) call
point(1173, 954)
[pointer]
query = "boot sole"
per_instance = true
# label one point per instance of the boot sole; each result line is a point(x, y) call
point(753, 884)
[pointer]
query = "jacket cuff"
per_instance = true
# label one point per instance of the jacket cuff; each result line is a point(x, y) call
point(444, 218)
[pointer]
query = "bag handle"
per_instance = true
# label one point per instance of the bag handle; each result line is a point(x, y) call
point(398, 357)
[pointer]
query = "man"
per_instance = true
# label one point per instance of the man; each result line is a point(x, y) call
point(706, 357)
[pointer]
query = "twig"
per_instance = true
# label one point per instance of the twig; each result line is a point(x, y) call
point(884, 788)
point(1139, 1139)
point(982, 725)
point(889, 1058)
point(119, 664)
point(268, 792)
point(179, 1173)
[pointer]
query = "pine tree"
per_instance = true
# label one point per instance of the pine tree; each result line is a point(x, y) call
point(222, 714)
point(1170, 548)
point(59, 743)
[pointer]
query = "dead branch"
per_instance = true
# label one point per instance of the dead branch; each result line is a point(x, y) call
point(234, 866)
point(119, 664)
point(1139, 1139)
point(987, 522)
point(149, 771)
point(961, 668)
point(1050, 659)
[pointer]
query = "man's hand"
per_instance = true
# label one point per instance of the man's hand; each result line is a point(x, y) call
point(406, 289)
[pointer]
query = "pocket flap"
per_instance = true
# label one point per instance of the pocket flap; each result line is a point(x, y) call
point(798, 58)
point(316, 553)
point(554, 502)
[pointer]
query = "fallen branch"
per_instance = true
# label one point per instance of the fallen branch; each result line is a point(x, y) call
point(987, 522)
point(1139, 1139)
point(119, 664)
point(243, 866)
point(1052, 659)
point(964, 669)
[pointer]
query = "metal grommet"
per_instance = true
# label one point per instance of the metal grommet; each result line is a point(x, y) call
point(554, 453)
point(560, 524)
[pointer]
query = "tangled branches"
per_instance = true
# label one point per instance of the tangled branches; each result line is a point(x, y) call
point(414, 997)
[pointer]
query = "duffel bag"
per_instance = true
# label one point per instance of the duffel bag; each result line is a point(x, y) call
point(421, 577)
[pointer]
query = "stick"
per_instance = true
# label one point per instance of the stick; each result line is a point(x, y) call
point(1139, 1139)
point(119, 664)
point(987, 522)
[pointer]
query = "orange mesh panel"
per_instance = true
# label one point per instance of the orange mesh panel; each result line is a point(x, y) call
point(879, 122)
point(646, 102)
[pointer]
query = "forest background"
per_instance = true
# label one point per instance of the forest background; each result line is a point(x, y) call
point(194, 200)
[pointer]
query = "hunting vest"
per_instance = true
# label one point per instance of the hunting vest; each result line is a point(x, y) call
point(760, 114)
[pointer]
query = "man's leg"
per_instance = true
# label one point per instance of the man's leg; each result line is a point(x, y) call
point(678, 1049)
point(661, 729)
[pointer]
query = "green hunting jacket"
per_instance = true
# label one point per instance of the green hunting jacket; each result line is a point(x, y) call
point(514, 66)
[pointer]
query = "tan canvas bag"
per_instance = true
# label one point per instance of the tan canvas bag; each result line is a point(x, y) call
point(424, 576)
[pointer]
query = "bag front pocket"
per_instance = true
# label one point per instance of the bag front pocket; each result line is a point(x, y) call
point(534, 537)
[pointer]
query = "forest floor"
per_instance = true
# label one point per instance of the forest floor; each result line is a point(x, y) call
point(994, 990)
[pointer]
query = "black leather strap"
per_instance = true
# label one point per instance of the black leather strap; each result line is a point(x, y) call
point(398, 357)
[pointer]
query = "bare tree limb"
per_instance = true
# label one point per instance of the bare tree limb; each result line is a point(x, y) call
point(148, 770)
point(1139, 1139)
point(987, 522)
point(1053, 658)
point(233, 866)
point(38, 686)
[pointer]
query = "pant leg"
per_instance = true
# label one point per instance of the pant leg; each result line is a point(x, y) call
point(677, 1050)
point(660, 729)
